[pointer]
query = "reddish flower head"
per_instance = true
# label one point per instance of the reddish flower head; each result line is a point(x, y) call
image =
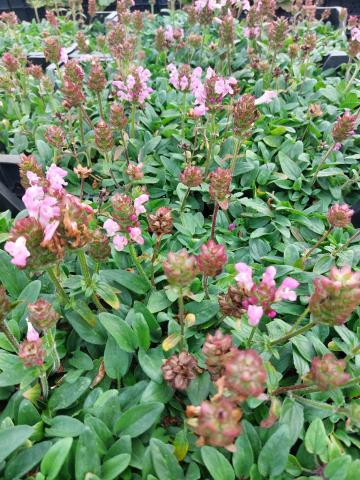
point(211, 259)
point(328, 372)
point(340, 215)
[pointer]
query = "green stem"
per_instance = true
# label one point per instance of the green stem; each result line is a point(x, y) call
point(251, 336)
point(88, 280)
point(299, 320)
point(181, 317)
point(354, 351)
point(327, 153)
point(351, 239)
point(214, 217)
point(9, 335)
point(154, 257)
point(100, 105)
point(50, 338)
point(206, 285)
point(183, 116)
point(135, 259)
point(132, 131)
point(60, 291)
point(236, 153)
point(348, 86)
point(81, 125)
point(289, 335)
point(44, 383)
point(314, 247)
point(183, 202)
point(211, 144)
point(318, 405)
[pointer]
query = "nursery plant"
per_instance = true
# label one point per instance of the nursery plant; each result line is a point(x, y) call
point(179, 298)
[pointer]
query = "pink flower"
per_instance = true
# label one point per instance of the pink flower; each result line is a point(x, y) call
point(267, 97)
point(254, 314)
point(32, 335)
point(18, 251)
point(246, 5)
point(55, 175)
point(111, 227)
point(32, 177)
point(252, 32)
point(268, 278)
point(138, 204)
point(337, 147)
point(355, 34)
point(119, 242)
point(199, 111)
point(244, 276)
point(33, 199)
point(135, 235)
point(223, 86)
point(63, 55)
point(286, 290)
point(48, 210)
point(49, 230)
point(135, 88)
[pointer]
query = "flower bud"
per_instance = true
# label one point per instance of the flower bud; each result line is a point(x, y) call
point(216, 349)
point(134, 171)
point(10, 62)
point(217, 422)
point(123, 210)
point(231, 303)
point(92, 8)
point(161, 222)
point(244, 374)
point(32, 353)
point(29, 164)
point(220, 181)
point(328, 372)
point(97, 79)
point(344, 127)
point(73, 72)
point(340, 215)
point(52, 50)
point(99, 246)
point(55, 136)
point(117, 116)
point(191, 176)
point(179, 370)
point(211, 259)
point(103, 136)
point(335, 297)
point(180, 268)
point(51, 18)
point(82, 43)
point(42, 314)
point(315, 110)
point(245, 114)
point(73, 94)
point(35, 71)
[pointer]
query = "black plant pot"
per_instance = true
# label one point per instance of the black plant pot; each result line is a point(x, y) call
point(11, 190)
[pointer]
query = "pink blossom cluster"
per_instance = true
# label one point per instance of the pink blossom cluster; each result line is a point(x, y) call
point(210, 93)
point(184, 79)
point(112, 228)
point(355, 34)
point(267, 97)
point(258, 299)
point(173, 35)
point(135, 88)
point(41, 200)
point(252, 32)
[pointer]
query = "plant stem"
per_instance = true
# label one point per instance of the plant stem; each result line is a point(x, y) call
point(100, 105)
point(299, 320)
point(183, 201)
point(206, 285)
point(314, 247)
point(236, 153)
point(36, 15)
point(251, 336)
point(154, 257)
point(211, 142)
point(135, 259)
point(290, 334)
point(60, 291)
point(9, 335)
point(354, 351)
point(50, 338)
point(183, 116)
point(214, 217)
point(319, 405)
point(348, 86)
point(132, 131)
point(327, 153)
point(292, 388)
point(88, 280)
point(81, 126)
point(351, 239)
point(44, 383)
point(181, 317)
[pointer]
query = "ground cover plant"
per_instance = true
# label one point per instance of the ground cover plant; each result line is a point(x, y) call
point(180, 295)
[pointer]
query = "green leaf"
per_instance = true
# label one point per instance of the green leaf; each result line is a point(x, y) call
point(269, 463)
point(85, 312)
point(289, 167)
point(115, 359)
point(11, 438)
point(25, 460)
point(87, 458)
point(142, 331)
point(107, 293)
point(13, 279)
point(199, 388)
point(112, 468)
point(139, 419)
point(151, 362)
point(64, 426)
point(165, 463)
point(292, 415)
point(55, 457)
point(218, 466)
point(44, 150)
point(243, 458)
point(120, 331)
point(67, 394)
point(131, 281)
point(316, 440)
point(338, 468)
